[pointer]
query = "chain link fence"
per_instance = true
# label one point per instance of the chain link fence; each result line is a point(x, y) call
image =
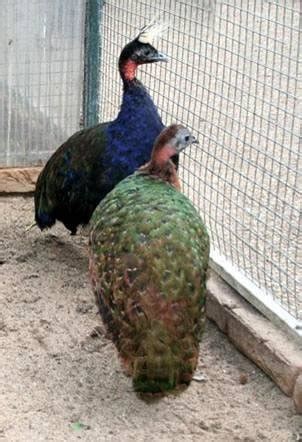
point(232, 78)
point(41, 77)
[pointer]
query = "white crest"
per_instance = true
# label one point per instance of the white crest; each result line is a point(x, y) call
point(152, 31)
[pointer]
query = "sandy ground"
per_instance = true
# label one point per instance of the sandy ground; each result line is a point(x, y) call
point(59, 383)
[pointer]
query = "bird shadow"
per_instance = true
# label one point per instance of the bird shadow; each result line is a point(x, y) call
point(63, 251)
point(46, 249)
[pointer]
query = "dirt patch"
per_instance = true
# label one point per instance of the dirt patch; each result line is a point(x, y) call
point(60, 381)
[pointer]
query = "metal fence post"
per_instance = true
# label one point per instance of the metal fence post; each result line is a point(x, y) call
point(91, 91)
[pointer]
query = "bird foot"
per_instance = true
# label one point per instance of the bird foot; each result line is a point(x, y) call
point(97, 332)
point(28, 228)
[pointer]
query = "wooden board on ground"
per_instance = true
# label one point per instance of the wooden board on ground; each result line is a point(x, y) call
point(279, 356)
point(18, 180)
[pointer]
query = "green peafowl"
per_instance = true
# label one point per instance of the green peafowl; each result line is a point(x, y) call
point(149, 253)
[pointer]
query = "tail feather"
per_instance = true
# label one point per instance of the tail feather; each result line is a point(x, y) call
point(44, 215)
point(44, 220)
point(161, 359)
point(154, 372)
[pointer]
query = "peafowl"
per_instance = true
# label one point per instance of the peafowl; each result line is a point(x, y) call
point(148, 257)
point(92, 161)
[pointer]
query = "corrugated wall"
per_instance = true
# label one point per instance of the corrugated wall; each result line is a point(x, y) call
point(41, 77)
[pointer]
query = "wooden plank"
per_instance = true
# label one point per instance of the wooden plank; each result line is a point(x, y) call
point(255, 295)
point(268, 346)
point(18, 180)
point(298, 395)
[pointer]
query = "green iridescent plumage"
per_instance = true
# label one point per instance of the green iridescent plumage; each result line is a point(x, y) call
point(148, 260)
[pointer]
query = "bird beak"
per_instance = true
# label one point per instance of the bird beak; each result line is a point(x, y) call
point(159, 56)
point(194, 140)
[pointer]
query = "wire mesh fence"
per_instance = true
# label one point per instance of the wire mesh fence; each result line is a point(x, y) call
point(41, 77)
point(232, 78)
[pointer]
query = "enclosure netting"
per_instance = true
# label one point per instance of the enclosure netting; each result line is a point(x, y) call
point(233, 78)
point(41, 77)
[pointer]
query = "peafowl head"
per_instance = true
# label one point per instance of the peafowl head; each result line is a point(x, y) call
point(171, 141)
point(141, 51)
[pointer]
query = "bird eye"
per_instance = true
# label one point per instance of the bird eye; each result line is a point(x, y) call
point(147, 52)
point(187, 138)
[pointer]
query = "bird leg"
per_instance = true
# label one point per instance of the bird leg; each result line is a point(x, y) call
point(28, 228)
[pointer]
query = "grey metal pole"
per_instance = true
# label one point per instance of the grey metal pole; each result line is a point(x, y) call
point(91, 92)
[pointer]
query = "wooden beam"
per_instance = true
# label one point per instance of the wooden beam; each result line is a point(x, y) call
point(18, 180)
point(268, 346)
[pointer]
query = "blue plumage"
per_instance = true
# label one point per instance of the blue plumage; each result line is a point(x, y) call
point(131, 136)
point(91, 162)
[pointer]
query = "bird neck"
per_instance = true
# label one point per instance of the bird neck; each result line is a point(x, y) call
point(137, 102)
point(162, 155)
point(166, 172)
point(130, 137)
point(128, 71)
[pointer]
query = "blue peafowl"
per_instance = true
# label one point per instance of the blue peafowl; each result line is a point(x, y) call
point(92, 161)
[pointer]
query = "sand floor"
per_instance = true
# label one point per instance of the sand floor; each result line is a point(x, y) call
point(58, 383)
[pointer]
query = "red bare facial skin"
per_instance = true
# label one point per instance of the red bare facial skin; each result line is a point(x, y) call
point(128, 70)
